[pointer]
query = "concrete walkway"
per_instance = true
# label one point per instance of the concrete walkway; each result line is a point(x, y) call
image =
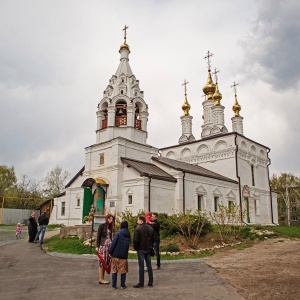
point(27, 272)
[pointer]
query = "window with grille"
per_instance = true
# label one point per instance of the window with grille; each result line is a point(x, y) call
point(63, 208)
point(216, 203)
point(230, 206)
point(252, 175)
point(101, 159)
point(200, 202)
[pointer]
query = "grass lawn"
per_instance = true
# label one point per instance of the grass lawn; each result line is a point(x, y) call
point(75, 245)
point(68, 245)
point(53, 227)
point(285, 231)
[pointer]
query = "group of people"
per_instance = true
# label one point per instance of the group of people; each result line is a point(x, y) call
point(114, 251)
point(34, 231)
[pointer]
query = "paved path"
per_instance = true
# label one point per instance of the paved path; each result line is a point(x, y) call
point(27, 272)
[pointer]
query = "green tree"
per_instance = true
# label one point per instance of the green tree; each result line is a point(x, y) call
point(55, 181)
point(25, 194)
point(8, 179)
point(287, 186)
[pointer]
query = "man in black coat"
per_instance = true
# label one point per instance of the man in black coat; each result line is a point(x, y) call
point(43, 222)
point(142, 243)
point(156, 227)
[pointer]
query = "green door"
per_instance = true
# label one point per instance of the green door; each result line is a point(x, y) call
point(87, 201)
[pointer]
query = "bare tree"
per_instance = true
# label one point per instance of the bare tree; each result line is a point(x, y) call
point(55, 181)
point(287, 185)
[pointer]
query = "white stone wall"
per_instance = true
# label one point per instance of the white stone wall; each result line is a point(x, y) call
point(200, 185)
point(73, 213)
point(217, 154)
point(161, 193)
point(130, 133)
point(162, 196)
point(113, 151)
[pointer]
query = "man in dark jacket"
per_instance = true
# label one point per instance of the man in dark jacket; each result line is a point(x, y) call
point(43, 222)
point(156, 227)
point(142, 243)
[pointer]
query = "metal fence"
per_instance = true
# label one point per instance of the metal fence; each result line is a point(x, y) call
point(11, 216)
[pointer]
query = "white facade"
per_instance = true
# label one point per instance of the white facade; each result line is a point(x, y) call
point(121, 172)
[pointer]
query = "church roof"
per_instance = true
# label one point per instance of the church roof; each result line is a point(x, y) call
point(214, 137)
point(192, 169)
point(74, 178)
point(148, 169)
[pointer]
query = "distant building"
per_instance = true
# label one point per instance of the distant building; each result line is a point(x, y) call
point(122, 172)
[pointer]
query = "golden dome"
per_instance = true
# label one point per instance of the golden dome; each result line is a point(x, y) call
point(217, 96)
point(209, 88)
point(124, 46)
point(185, 107)
point(236, 107)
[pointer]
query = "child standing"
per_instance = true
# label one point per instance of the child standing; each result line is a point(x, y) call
point(18, 231)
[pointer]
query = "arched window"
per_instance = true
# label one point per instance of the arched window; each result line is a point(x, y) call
point(252, 175)
point(121, 113)
point(137, 120)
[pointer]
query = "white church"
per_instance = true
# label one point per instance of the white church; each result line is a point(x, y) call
point(122, 172)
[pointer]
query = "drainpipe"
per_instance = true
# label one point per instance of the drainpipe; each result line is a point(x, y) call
point(149, 193)
point(69, 207)
point(239, 179)
point(183, 192)
point(268, 164)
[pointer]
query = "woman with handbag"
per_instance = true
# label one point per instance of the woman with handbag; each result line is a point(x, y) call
point(104, 237)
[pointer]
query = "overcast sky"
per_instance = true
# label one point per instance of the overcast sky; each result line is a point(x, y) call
point(57, 56)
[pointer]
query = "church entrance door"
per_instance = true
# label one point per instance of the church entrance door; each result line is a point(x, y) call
point(87, 201)
point(99, 198)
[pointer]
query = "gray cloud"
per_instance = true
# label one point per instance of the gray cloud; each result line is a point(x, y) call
point(272, 45)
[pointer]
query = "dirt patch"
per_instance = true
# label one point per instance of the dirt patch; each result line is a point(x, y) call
point(268, 270)
point(208, 241)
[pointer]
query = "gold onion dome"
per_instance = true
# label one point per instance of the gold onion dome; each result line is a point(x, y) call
point(217, 96)
point(210, 87)
point(186, 106)
point(236, 107)
point(124, 46)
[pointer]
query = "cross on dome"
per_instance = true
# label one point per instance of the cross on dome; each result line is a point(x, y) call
point(125, 33)
point(207, 57)
point(184, 84)
point(215, 72)
point(235, 84)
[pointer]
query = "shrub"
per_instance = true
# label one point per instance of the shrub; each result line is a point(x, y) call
point(190, 225)
point(167, 229)
point(169, 248)
point(130, 218)
point(246, 233)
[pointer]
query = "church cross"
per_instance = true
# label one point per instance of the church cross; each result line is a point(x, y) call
point(207, 57)
point(234, 87)
point(185, 83)
point(215, 72)
point(124, 29)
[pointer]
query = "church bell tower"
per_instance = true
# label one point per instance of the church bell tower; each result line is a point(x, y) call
point(122, 112)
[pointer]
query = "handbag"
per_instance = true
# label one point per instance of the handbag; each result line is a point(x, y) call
point(106, 267)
